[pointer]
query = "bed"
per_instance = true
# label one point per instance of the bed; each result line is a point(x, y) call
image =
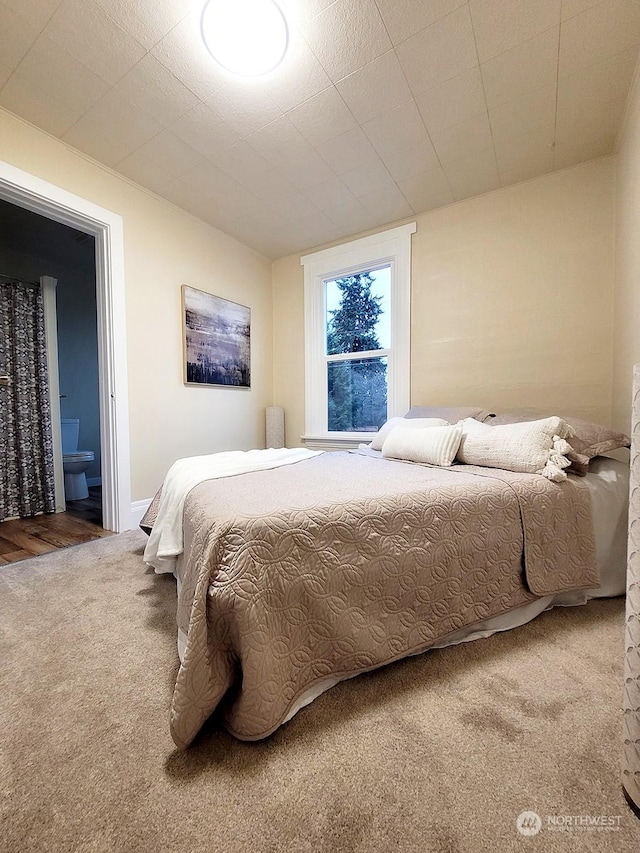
point(300, 575)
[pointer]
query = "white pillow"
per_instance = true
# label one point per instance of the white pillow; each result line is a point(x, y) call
point(413, 423)
point(434, 445)
point(532, 447)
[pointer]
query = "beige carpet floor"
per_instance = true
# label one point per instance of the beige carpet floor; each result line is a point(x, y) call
point(438, 753)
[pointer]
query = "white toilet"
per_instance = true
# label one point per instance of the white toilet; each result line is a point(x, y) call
point(74, 462)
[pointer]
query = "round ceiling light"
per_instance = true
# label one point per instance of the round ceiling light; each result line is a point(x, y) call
point(247, 37)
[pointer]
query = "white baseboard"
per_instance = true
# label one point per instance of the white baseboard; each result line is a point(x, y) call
point(94, 481)
point(138, 509)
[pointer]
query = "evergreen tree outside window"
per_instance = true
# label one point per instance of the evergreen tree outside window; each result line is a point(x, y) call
point(357, 325)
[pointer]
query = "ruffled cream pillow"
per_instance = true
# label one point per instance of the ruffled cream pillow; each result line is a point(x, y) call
point(414, 423)
point(533, 447)
point(433, 445)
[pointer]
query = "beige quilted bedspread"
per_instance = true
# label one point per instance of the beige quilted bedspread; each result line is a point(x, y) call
point(342, 563)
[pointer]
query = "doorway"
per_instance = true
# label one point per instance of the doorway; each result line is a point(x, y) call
point(33, 194)
point(34, 248)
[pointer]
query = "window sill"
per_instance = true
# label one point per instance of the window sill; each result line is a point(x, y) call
point(349, 441)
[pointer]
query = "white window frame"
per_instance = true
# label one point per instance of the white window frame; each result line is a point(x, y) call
point(392, 248)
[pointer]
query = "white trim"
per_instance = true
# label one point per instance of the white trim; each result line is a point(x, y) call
point(48, 286)
point(373, 241)
point(138, 509)
point(33, 193)
point(392, 247)
point(94, 481)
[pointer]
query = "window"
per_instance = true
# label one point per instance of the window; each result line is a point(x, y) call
point(357, 299)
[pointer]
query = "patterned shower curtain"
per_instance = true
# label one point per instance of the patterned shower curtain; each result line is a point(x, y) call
point(26, 445)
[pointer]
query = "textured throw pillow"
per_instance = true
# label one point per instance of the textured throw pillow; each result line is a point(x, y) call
point(435, 445)
point(451, 414)
point(418, 423)
point(534, 447)
point(588, 440)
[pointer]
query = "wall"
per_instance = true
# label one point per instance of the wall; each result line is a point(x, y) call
point(627, 268)
point(511, 301)
point(78, 358)
point(77, 329)
point(164, 248)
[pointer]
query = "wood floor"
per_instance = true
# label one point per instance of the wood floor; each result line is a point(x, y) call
point(27, 537)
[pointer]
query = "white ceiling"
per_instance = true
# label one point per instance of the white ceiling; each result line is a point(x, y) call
point(381, 109)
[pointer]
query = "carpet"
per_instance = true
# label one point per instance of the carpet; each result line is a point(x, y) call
point(440, 752)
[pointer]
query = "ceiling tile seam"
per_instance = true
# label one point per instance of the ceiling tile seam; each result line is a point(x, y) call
point(424, 124)
point(124, 29)
point(426, 129)
point(30, 48)
point(395, 52)
point(133, 36)
point(120, 27)
point(110, 86)
point(437, 20)
point(520, 44)
point(555, 116)
point(332, 86)
point(140, 187)
point(170, 70)
point(119, 80)
point(584, 11)
point(100, 99)
point(384, 23)
point(326, 89)
point(634, 86)
point(598, 62)
point(253, 198)
point(138, 106)
point(158, 165)
point(484, 92)
point(513, 46)
point(114, 167)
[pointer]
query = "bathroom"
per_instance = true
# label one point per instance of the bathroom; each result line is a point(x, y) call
point(32, 246)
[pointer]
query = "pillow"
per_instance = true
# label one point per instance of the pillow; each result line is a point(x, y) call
point(435, 445)
point(534, 447)
point(417, 423)
point(451, 414)
point(589, 439)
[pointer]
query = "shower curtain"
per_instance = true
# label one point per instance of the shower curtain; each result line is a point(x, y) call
point(26, 446)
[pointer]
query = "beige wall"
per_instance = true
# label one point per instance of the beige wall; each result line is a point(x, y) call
point(627, 268)
point(511, 301)
point(165, 248)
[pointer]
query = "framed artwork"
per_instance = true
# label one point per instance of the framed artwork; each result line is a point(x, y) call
point(217, 340)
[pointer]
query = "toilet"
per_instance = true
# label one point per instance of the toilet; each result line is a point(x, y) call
point(74, 462)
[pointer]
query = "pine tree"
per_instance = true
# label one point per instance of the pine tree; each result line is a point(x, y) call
point(357, 389)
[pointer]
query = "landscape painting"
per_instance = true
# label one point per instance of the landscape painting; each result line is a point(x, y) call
point(217, 340)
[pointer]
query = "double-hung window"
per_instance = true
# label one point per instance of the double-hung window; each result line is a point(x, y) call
point(357, 318)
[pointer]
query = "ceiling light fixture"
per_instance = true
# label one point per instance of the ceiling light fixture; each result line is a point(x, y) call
point(247, 37)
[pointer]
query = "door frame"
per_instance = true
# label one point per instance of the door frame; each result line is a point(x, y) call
point(48, 286)
point(32, 193)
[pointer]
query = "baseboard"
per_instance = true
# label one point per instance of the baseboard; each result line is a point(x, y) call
point(94, 481)
point(138, 509)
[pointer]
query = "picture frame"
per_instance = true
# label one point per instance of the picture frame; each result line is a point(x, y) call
point(216, 335)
